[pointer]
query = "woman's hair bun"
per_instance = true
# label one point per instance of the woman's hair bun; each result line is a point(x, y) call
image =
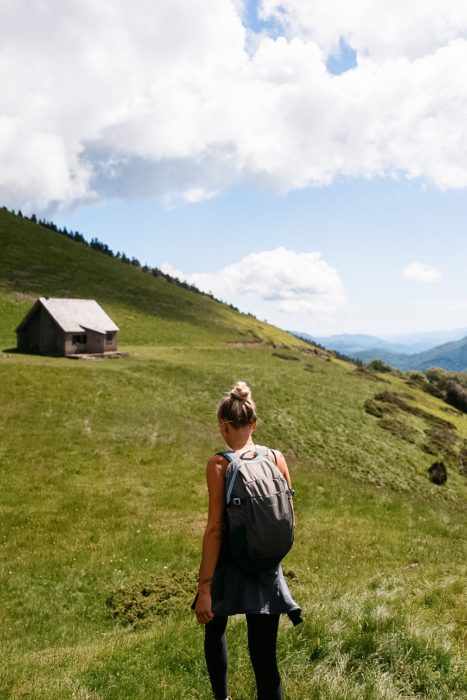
point(237, 406)
point(241, 391)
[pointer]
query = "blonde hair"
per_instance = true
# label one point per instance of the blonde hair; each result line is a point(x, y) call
point(237, 406)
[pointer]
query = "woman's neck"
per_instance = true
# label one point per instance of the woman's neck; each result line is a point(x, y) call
point(237, 448)
point(238, 439)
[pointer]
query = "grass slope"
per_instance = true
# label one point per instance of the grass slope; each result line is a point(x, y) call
point(35, 261)
point(102, 502)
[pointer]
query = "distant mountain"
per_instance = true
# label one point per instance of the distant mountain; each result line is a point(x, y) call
point(420, 342)
point(407, 344)
point(398, 360)
point(347, 342)
point(451, 356)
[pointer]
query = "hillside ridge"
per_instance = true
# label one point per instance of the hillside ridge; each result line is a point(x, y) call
point(37, 261)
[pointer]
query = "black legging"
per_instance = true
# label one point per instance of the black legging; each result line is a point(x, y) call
point(262, 637)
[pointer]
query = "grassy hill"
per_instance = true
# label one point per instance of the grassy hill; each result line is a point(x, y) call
point(35, 261)
point(102, 500)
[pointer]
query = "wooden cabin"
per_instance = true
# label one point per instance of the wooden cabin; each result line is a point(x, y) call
point(66, 327)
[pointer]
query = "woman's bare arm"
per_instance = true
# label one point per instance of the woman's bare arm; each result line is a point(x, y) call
point(282, 464)
point(215, 477)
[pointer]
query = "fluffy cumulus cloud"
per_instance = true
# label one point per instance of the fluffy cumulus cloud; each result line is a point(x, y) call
point(174, 99)
point(287, 282)
point(420, 272)
point(379, 29)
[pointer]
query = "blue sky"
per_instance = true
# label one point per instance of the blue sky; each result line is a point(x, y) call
point(303, 159)
point(368, 231)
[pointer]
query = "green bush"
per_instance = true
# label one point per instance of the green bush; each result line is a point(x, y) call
point(379, 366)
point(456, 396)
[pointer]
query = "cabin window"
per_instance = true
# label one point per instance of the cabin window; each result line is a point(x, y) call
point(79, 339)
point(109, 336)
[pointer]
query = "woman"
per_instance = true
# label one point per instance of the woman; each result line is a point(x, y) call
point(223, 588)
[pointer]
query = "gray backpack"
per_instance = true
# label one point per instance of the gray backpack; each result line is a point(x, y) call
point(258, 514)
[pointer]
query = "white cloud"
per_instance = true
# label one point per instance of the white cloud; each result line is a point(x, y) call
point(419, 272)
point(163, 99)
point(378, 28)
point(192, 195)
point(288, 282)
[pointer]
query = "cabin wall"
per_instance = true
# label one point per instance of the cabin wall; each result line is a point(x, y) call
point(29, 335)
point(51, 340)
point(95, 342)
point(41, 335)
point(111, 341)
point(71, 346)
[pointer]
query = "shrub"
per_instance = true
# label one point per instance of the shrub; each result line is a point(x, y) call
point(374, 408)
point(389, 397)
point(456, 396)
point(438, 473)
point(417, 379)
point(379, 366)
point(451, 387)
point(463, 459)
point(285, 356)
point(397, 428)
point(441, 441)
point(145, 600)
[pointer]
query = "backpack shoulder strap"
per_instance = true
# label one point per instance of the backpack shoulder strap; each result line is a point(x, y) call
point(262, 450)
point(274, 456)
point(267, 452)
point(227, 455)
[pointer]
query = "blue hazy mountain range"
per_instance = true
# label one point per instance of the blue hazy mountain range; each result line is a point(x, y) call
point(446, 349)
point(408, 344)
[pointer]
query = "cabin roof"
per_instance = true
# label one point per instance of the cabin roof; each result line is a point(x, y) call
point(75, 315)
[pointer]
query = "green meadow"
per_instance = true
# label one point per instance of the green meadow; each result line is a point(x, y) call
point(103, 500)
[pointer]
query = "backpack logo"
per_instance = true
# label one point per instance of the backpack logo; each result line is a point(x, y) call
point(259, 515)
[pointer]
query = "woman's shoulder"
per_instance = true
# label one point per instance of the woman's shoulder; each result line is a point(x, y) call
point(279, 460)
point(277, 454)
point(217, 463)
point(215, 473)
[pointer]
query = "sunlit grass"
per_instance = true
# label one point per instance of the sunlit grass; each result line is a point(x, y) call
point(103, 489)
point(103, 504)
